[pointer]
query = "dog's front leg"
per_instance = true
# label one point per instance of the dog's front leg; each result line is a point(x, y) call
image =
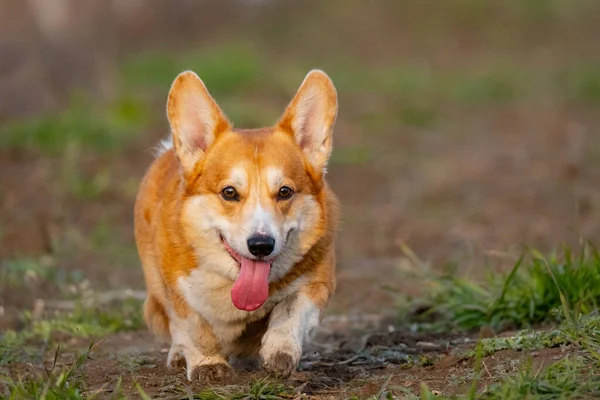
point(194, 342)
point(289, 325)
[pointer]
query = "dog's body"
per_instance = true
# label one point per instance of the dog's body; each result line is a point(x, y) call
point(235, 230)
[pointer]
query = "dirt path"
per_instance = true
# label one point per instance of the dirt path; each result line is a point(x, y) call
point(365, 356)
point(348, 356)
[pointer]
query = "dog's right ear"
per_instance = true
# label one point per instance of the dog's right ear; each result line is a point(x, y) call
point(195, 119)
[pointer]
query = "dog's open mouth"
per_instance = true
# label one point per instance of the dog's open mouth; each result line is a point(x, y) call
point(251, 288)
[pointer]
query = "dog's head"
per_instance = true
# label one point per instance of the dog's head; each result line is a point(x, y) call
point(254, 197)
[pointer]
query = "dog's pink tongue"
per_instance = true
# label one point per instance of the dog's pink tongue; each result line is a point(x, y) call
point(251, 288)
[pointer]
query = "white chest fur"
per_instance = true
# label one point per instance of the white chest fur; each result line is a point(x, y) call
point(209, 294)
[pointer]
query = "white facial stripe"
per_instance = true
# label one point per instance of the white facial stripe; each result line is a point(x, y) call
point(261, 222)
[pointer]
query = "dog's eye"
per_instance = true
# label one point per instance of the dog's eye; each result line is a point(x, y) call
point(229, 193)
point(285, 193)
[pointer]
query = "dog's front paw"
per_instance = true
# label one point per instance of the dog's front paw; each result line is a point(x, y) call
point(175, 359)
point(280, 354)
point(280, 364)
point(210, 373)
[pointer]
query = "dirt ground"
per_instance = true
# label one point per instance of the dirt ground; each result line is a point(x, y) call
point(461, 175)
point(363, 356)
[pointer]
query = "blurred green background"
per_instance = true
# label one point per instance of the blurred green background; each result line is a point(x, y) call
point(466, 128)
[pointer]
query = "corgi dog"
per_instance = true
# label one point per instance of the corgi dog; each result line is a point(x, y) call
point(235, 230)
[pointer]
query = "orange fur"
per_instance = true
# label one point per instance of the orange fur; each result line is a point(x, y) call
point(180, 195)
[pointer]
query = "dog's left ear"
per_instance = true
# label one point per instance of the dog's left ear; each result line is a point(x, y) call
point(310, 118)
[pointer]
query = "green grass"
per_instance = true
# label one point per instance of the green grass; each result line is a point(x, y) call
point(55, 383)
point(584, 330)
point(575, 375)
point(421, 87)
point(89, 125)
point(351, 155)
point(18, 272)
point(108, 243)
point(568, 378)
point(259, 389)
point(572, 377)
point(245, 113)
point(247, 86)
point(225, 69)
point(81, 185)
point(83, 322)
point(413, 90)
point(566, 288)
point(524, 341)
point(525, 297)
point(417, 116)
point(497, 86)
point(581, 83)
point(229, 70)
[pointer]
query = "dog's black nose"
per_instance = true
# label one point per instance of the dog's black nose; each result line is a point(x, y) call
point(261, 245)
